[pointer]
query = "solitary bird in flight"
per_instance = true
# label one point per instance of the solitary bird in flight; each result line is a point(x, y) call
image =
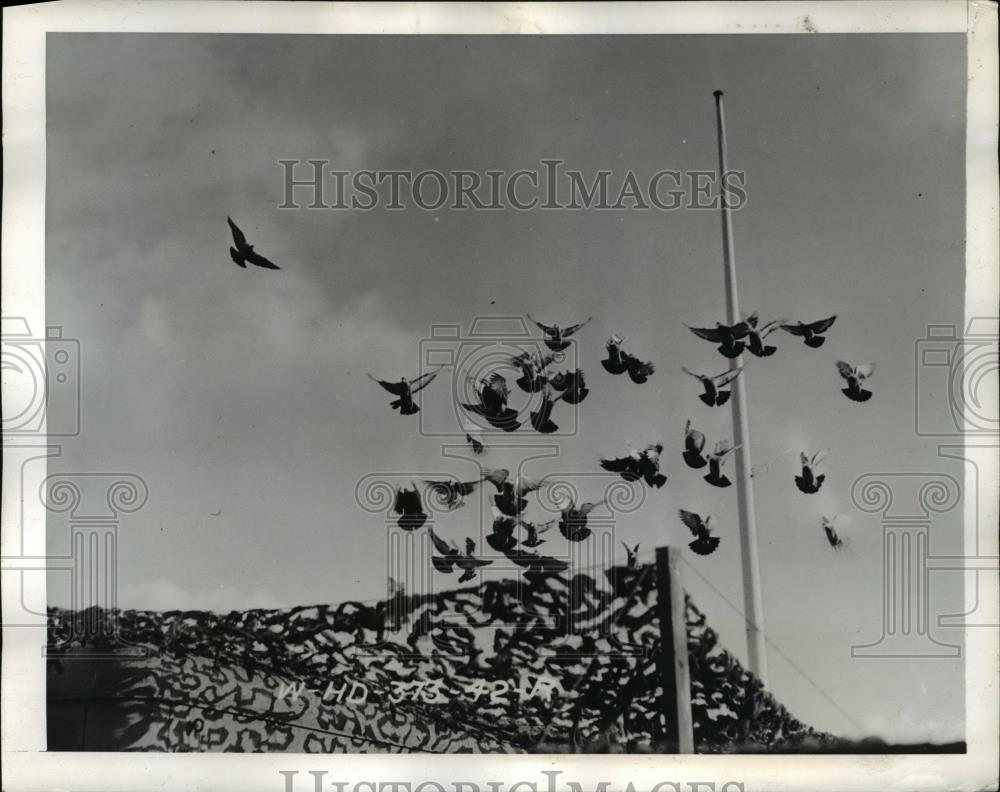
point(832, 537)
point(476, 445)
point(809, 481)
point(715, 394)
point(409, 508)
point(704, 542)
point(639, 370)
point(244, 252)
point(756, 336)
point(617, 360)
point(572, 384)
point(728, 337)
point(502, 538)
point(405, 389)
point(633, 556)
point(811, 332)
point(555, 336)
point(694, 445)
point(573, 523)
point(510, 498)
point(534, 531)
point(715, 462)
point(856, 376)
point(492, 405)
point(451, 557)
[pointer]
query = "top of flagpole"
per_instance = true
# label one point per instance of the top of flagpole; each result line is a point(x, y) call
point(717, 93)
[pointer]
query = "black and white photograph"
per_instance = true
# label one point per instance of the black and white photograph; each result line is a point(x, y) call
point(535, 391)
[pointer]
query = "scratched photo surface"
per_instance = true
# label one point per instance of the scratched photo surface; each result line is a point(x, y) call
point(340, 474)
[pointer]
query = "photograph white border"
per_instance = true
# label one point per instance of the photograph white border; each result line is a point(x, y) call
point(26, 765)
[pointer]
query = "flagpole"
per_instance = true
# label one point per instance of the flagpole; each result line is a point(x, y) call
point(752, 606)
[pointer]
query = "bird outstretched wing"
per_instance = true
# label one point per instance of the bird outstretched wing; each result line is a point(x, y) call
point(442, 546)
point(699, 377)
point(543, 327)
point(238, 237)
point(259, 261)
point(423, 380)
point(727, 376)
point(697, 438)
point(765, 330)
point(395, 388)
point(712, 334)
point(692, 521)
point(627, 464)
point(573, 328)
point(822, 325)
point(797, 329)
point(846, 369)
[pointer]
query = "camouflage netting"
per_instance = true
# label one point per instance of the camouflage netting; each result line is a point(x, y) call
point(454, 671)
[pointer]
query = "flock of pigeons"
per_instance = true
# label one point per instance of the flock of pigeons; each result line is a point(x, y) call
point(511, 529)
point(570, 386)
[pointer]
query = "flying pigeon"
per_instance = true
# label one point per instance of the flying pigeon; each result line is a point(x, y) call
point(502, 538)
point(555, 336)
point(855, 376)
point(637, 465)
point(810, 332)
point(715, 463)
point(510, 498)
point(809, 481)
point(694, 444)
point(832, 537)
point(633, 556)
point(704, 542)
point(617, 360)
point(244, 252)
point(573, 522)
point(532, 368)
point(446, 549)
point(728, 337)
point(715, 395)
point(492, 405)
point(541, 418)
point(452, 493)
point(469, 563)
point(639, 370)
point(405, 389)
point(572, 384)
point(534, 531)
point(409, 508)
point(476, 445)
point(756, 336)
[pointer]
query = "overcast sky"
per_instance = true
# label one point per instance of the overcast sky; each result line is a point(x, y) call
point(245, 391)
